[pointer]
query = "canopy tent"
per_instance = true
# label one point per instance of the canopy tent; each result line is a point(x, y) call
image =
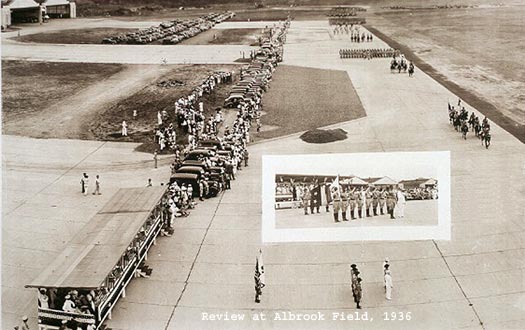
point(92, 254)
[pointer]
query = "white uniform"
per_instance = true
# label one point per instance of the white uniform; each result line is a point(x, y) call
point(401, 202)
point(389, 286)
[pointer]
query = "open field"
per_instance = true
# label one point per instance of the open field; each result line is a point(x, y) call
point(74, 36)
point(301, 99)
point(151, 99)
point(29, 87)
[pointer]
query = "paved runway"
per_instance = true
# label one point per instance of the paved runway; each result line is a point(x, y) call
point(208, 264)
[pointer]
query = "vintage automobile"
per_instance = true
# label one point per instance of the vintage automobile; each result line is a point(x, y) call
point(234, 100)
point(197, 170)
point(187, 179)
point(198, 154)
point(199, 163)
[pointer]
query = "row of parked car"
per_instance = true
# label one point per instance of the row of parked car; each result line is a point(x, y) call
point(195, 167)
point(170, 32)
point(255, 77)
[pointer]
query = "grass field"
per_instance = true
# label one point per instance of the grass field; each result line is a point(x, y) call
point(301, 99)
point(151, 99)
point(95, 36)
point(74, 36)
point(28, 87)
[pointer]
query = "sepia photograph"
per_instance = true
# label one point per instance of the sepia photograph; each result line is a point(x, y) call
point(410, 202)
point(266, 164)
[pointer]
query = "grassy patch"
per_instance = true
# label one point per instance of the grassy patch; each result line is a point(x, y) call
point(301, 99)
point(28, 87)
point(74, 36)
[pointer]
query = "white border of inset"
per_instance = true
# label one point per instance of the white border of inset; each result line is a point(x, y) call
point(324, 164)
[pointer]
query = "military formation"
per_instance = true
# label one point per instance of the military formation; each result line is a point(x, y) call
point(369, 53)
point(363, 202)
point(463, 123)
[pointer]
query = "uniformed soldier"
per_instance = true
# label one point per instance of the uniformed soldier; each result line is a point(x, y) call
point(352, 202)
point(382, 201)
point(375, 200)
point(369, 200)
point(354, 273)
point(391, 202)
point(336, 197)
point(344, 203)
point(358, 293)
point(360, 202)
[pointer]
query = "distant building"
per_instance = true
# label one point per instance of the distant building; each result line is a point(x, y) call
point(26, 11)
point(418, 183)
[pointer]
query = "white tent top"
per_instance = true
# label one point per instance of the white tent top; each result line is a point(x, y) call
point(385, 181)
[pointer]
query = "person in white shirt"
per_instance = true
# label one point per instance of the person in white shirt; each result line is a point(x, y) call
point(389, 285)
point(124, 128)
point(401, 203)
point(69, 305)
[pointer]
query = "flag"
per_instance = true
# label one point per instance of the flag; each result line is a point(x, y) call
point(335, 183)
point(260, 268)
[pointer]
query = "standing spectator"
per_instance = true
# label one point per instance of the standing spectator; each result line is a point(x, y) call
point(124, 128)
point(43, 299)
point(149, 183)
point(97, 186)
point(83, 182)
point(86, 184)
point(246, 156)
point(388, 284)
point(155, 158)
point(135, 114)
point(306, 200)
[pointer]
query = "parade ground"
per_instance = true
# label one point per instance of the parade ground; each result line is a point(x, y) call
point(474, 281)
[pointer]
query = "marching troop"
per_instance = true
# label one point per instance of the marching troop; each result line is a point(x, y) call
point(463, 123)
point(367, 53)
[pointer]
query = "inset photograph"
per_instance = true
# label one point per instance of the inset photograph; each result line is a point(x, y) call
point(372, 196)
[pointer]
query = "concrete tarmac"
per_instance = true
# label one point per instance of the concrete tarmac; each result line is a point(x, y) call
point(474, 281)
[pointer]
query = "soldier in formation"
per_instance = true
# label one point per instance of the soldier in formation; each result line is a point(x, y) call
point(367, 53)
point(462, 122)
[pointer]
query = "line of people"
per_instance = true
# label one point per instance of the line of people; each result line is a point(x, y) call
point(463, 123)
point(235, 140)
point(366, 202)
point(367, 53)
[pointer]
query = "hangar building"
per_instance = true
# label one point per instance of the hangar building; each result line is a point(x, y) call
point(26, 11)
